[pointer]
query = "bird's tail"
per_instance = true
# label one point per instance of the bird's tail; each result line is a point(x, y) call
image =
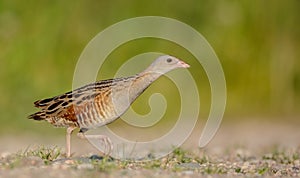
point(38, 116)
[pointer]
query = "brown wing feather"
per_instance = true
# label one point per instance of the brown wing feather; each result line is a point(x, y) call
point(44, 103)
point(62, 110)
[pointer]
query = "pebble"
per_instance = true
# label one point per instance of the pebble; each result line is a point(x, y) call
point(31, 161)
point(189, 165)
point(70, 161)
point(5, 154)
point(245, 165)
point(233, 166)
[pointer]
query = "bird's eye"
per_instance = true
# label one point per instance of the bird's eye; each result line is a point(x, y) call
point(169, 60)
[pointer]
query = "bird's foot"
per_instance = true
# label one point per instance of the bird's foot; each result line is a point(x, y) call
point(108, 146)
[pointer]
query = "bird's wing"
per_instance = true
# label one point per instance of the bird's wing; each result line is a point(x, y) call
point(76, 96)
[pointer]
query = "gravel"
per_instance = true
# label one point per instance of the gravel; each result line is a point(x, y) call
point(256, 151)
point(236, 162)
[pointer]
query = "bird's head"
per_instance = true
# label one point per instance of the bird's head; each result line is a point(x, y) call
point(166, 63)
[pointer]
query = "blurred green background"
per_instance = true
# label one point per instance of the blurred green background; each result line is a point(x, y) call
point(257, 43)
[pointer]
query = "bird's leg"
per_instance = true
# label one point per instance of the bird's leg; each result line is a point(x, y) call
point(68, 141)
point(108, 146)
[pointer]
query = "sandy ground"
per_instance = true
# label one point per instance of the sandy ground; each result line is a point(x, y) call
point(256, 137)
point(253, 135)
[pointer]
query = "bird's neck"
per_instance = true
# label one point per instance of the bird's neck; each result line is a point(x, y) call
point(147, 77)
point(142, 81)
point(125, 92)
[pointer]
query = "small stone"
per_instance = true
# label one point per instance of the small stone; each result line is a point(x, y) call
point(5, 154)
point(31, 161)
point(190, 165)
point(245, 165)
point(295, 168)
point(70, 161)
point(96, 157)
point(278, 173)
point(64, 166)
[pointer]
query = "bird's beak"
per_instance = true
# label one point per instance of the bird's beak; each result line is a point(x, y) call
point(183, 64)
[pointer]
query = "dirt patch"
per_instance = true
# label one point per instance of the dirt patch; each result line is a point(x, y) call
point(243, 149)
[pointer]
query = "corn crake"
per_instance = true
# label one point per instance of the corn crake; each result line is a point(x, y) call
point(100, 103)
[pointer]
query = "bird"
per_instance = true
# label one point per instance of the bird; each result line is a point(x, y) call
point(100, 103)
